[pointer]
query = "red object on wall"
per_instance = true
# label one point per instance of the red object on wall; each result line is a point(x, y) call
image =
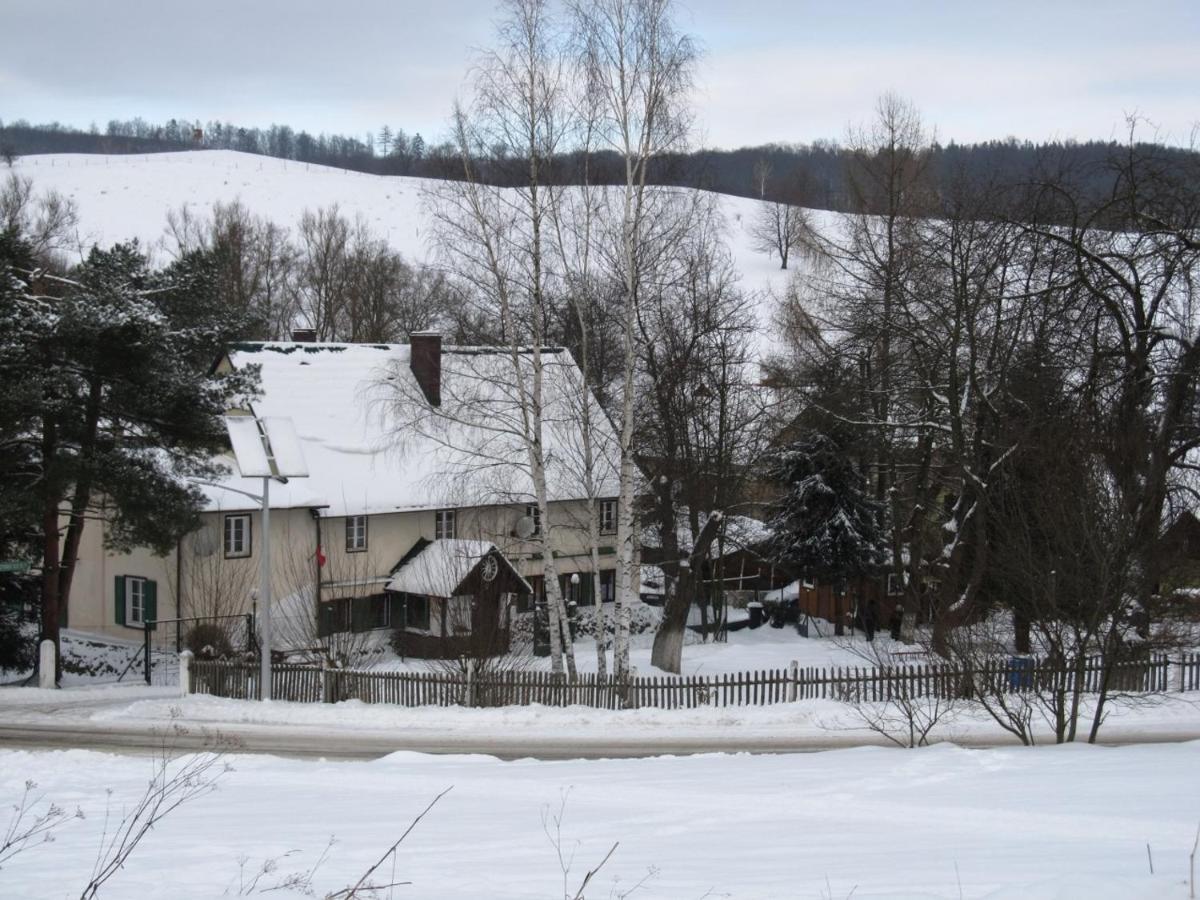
point(320, 558)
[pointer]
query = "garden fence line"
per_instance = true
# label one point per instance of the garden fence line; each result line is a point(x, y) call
point(469, 687)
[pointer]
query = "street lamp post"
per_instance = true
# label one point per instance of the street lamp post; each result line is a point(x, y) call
point(265, 448)
point(264, 593)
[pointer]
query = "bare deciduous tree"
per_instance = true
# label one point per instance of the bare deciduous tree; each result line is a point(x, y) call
point(637, 68)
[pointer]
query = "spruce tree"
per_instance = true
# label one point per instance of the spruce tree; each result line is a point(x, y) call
point(825, 523)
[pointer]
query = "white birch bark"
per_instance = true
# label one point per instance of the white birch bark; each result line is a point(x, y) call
point(638, 68)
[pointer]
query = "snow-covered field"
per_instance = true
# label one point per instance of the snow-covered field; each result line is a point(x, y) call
point(123, 197)
point(1065, 822)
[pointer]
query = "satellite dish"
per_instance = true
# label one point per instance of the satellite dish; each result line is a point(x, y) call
point(204, 543)
point(526, 528)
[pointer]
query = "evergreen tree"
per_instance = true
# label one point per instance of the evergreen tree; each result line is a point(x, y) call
point(110, 404)
point(826, 524)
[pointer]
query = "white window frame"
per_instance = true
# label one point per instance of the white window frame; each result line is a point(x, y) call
point(354, 533)
point(808, 582)
point(135, 613)
point(608, 516)
point(226, 534)
point(533, 512)
point(896, 583)
point(445, 525)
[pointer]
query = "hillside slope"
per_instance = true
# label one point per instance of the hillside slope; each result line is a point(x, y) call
point(122, 197)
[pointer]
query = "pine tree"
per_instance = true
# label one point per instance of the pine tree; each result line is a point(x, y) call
point(108, 400)
point(826, 524)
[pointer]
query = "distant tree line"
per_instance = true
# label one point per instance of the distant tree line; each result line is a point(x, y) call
point(812, 175)
point(330, 273)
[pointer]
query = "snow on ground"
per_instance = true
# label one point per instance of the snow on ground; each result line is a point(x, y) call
point(128, 196)
point(98, 659)
point(1062, 822)
point(812, 723)
point(820, 722)
point(745, 651)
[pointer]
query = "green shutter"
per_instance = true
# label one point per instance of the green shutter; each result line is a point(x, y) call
point(119, 598)
point(150, 613)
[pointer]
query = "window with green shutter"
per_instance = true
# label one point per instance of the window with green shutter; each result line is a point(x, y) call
point(135, 600)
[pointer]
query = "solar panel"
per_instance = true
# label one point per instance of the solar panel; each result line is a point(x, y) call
point(248, 447)
point(285, 447)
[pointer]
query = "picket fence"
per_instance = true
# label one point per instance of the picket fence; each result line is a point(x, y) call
point(466, 687)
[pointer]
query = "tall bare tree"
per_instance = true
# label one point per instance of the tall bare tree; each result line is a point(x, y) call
point(497, 240)
point(638, 67)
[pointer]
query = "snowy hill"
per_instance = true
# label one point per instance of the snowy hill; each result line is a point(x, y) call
point(122, 197)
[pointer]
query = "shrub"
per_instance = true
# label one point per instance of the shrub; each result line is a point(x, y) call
point(208, 641)
point(18, 645)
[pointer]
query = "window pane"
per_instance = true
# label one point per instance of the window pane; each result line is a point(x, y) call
point(608, 515)
point(135, 596)
point(356, 532)
point(237, 535)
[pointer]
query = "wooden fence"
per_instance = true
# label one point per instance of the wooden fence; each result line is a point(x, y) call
point(311, 684)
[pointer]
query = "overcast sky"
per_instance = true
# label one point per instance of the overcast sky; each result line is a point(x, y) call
point(773, 70)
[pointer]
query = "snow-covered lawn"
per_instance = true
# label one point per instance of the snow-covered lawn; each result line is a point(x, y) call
point(1061, 822)
point(745, 651)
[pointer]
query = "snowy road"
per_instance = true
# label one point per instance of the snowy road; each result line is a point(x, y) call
point(135, 719)
point(316, 744)
point(281, 740)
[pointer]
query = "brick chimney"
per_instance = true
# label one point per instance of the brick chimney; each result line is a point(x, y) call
point(304, 335)
point(426, 363)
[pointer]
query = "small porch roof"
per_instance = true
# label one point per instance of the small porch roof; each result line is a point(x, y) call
point(439, 568)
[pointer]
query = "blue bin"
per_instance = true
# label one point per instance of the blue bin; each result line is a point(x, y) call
point(1020, 674)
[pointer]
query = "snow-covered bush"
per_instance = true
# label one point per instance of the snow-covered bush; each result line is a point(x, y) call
point(644, 619)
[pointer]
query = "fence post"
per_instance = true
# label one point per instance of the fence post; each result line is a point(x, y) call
point(146, 649)
point(185, 673)
point(793, 680)
point(470, 692)
point(47, 665)
point(326, 682)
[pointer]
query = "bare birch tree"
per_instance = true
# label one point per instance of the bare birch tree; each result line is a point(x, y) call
point(495, 239)
point(638, 67)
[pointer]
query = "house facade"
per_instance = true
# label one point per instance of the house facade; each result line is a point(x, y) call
point(407, 447)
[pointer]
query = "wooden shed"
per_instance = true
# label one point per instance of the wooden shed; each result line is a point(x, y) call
point(452, 598)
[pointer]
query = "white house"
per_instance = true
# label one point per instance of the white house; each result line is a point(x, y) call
point(414, 455)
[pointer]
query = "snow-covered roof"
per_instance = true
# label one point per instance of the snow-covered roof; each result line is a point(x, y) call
point(740, 532)
point(373, 444)
point(782, 595)
point(440, 567)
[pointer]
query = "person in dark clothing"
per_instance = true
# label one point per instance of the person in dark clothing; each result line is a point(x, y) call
point(870, 617)
point(896, 621)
